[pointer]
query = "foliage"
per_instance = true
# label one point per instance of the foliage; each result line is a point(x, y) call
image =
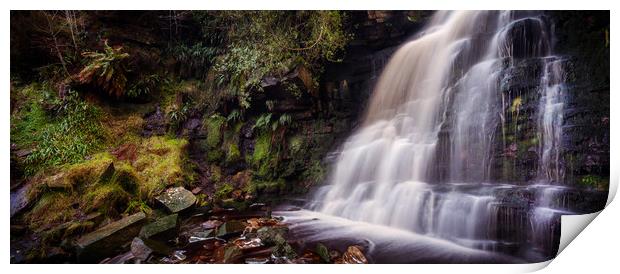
point(260, 43)
point(106, 69)
point(67, 135)
point(144, 85)
point(234, 116)
point(223, 191)
point(178, 115)
point(138, 205)
point(594, 181)
point(262, 122)
point(194, 59)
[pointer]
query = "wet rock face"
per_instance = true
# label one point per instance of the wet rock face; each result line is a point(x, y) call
point(108, 239)
point(177, 199)
point(155, 124)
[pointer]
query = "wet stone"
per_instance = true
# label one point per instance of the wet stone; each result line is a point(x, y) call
point(140, 250)
point(108, 239)
point(354, 255)
point(230, 228)
point(200, 236)
point(211, 224)
point(161, 227)
point(177, 199)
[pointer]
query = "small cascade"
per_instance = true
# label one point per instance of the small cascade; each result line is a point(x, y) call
point(550, 119)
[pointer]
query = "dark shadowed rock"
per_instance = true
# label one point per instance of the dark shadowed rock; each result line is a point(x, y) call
point(154, 123)
point(230, 228)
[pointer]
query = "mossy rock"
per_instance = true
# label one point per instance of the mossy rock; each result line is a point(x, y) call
point(160, 228)
point(177, 199)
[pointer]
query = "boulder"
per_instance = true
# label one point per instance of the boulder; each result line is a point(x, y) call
point(161, 227)
point(109, 239)
point(177, 199)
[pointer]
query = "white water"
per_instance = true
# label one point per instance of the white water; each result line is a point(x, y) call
point(447, 79)
point(551, 109)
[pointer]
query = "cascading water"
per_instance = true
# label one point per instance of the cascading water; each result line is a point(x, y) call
point(550, 119)
point(447, 80)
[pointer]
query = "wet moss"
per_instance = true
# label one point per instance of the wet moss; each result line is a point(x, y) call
point(160, 162)
point(223, 191)
point(52, 208)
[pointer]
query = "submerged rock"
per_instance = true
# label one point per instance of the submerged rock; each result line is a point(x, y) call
point(160, 227)
point(108, 239)
point(177, 199)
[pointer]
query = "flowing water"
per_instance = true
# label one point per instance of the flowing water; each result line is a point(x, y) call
point(437, 109)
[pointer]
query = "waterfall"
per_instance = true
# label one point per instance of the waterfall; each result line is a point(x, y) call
point(447, 80)
point(550, 119)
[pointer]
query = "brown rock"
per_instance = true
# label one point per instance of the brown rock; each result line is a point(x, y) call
point(353, 255)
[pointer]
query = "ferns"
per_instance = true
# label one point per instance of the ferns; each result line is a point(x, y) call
point(264, 122)
point(106, 70)
point(194, 59)
point(144, 85)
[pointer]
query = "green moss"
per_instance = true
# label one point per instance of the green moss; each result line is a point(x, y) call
point(109, 198)
point(137, 205)
point(223, 191)
point(264, 159)
point(233, 154)
point(232, 203)
point(216, 173)
point(214, 129)
point(295, 144)
point(160, 162)
point(266, 187)
point(90, 171)
point(71, 130)
point(202, 200)
point(51, 208)
point(595, 181)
